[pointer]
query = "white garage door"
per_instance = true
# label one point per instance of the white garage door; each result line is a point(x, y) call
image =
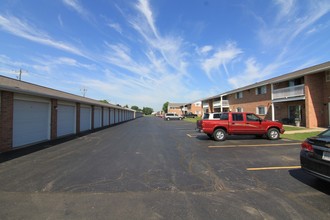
point(105, 116)
point(116, 116)
point(97, 117)
point(66, 120)
point(85, 118)
point(112, 116)
point(31, 122)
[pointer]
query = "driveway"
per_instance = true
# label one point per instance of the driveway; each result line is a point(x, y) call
point(155, 169)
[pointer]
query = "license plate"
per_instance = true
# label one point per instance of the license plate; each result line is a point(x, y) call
point(326, 155)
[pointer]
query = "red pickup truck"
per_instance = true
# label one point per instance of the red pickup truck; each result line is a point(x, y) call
point(227, 123)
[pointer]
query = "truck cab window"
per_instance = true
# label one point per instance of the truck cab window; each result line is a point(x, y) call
point(237, 117)
point(252, 117)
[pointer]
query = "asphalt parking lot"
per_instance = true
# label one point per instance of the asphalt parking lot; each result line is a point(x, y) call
point(155, 169)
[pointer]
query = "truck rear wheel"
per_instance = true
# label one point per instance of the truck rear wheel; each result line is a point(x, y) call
point(219, 135)
point(273, 134)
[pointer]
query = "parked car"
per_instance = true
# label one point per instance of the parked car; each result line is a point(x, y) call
point(172, 116)
point(315, 155)
point(190, 115)
point(219, 125)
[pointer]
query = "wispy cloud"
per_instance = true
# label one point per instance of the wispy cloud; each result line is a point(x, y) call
point(286, 8)
point(115, 26)
point(76, 6)
point(292, 21)
point(220, 58)
point(253, 72)
point(20, 28)
point(169, 47)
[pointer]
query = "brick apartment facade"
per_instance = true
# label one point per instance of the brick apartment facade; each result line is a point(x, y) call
point(183, 108)
point(301, 97)
point(176, 108)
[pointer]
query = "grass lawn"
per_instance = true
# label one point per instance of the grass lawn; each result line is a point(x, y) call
point(299, 136)
point(193, 120)
point(292, 128)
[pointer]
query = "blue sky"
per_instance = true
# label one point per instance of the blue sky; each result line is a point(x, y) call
point(145, 53)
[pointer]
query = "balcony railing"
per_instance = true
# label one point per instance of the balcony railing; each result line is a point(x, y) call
point(205, 105)
point(216, 103)
point(289, 92)
point(225, 103)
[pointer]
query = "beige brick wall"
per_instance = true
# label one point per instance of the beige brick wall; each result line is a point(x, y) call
point(317, 91)
point(6, 121)
point(251, 101)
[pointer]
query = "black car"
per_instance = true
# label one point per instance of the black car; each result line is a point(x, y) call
point(315, 155)
point(190, 115)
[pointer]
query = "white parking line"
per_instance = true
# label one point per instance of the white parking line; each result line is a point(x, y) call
point(192, 135)
point(273, 168)
point(254, 145)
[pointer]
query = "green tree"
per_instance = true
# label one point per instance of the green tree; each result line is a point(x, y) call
point(147, 110)
point(134, 107)
point(165, 106)
point(104, 101)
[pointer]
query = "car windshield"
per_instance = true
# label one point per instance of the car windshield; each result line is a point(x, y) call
point(206, 116)
point(325, 133)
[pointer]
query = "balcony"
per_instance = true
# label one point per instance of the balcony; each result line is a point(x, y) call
point(225, 103)
point(205, 105)
point(289, 92)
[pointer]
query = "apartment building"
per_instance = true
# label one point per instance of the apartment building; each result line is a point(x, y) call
point(194, 107)
point(299, 98)
point(183, 108)
point(175, 108)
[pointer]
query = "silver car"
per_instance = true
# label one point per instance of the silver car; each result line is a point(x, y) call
point(172, 116)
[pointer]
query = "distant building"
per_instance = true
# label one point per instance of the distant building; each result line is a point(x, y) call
point(175, 108)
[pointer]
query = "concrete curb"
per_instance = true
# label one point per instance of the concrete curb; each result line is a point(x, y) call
point(306, 131)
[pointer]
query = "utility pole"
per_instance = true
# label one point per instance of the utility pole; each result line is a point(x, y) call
point(20, 71)
point(83, 90)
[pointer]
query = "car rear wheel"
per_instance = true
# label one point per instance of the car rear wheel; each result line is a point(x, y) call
point(219, 135)
point(273, 134)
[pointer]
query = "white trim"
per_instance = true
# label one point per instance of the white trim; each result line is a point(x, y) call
point(261, 106)
point(327, 76)
point(24, 97)
point(60, 102)
point(242, 110)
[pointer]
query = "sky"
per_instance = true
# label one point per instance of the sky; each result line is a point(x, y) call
point(147, 52)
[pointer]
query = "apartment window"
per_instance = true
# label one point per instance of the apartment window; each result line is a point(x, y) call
point(327, 76)
point(239, 95)
point(261, 110)
point(261, 90)
point(237, 117)
point(239, 109)
point(295, 82)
